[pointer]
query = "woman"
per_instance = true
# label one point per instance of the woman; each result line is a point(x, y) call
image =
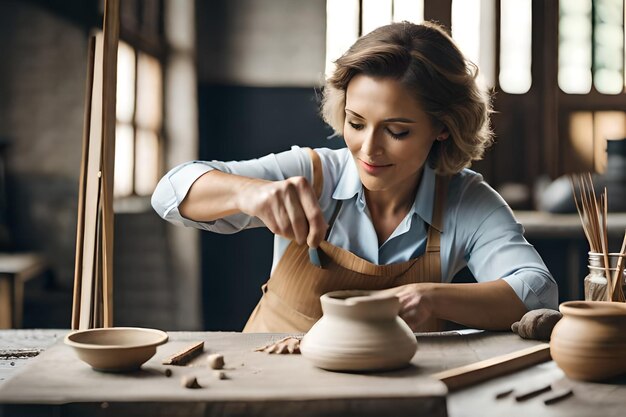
point(397, 209)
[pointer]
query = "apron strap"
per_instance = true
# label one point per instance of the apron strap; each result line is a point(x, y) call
point(433, 244)
point(316, 172)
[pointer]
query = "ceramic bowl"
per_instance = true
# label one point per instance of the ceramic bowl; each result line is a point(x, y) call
point(116, 349)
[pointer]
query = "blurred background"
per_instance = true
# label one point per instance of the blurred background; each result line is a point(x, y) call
point(237, 79)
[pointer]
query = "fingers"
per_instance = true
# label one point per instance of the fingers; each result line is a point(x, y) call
point(415, 309)
point(304, 212)
point(412, 318)
point(296, 215)
point(316, 225)
point(290, 209)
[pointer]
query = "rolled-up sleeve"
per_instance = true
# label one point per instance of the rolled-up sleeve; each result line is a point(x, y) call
point(174, 186)
point(497, 249)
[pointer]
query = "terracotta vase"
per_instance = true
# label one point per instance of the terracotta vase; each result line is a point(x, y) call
point(359, 331)
point(589, 342)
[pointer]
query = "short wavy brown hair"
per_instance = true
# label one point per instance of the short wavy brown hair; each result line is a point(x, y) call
point(426, 60)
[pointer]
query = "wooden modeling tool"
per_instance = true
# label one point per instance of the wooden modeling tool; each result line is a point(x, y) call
point(185, 355)
point(474, 373)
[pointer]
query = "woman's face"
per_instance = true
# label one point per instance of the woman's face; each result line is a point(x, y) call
point(388, 133)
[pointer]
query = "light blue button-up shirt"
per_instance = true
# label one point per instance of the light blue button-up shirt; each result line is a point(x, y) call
point(479, 229)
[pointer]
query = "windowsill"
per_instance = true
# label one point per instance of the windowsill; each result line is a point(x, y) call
point(132, 204)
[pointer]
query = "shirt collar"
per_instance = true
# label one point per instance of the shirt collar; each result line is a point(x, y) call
point(425, 198)
point(350, 184)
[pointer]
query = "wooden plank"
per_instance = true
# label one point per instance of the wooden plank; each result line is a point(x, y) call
point(92, 192)
point(185, 355)
point(111, 27)
point(474, 373)
point(80, 224)
point(257, 384)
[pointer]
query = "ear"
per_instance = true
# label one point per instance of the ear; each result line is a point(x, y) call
point(443, 135)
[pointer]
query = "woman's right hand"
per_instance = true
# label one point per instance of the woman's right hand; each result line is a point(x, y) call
point(289, 208)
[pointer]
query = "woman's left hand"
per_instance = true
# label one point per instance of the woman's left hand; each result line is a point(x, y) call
point(416, 305)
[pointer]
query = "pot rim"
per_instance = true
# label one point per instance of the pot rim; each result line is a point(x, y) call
point(593, 308)
point(352, 297)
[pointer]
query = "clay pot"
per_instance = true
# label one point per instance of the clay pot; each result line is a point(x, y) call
point(589, 342)
point(359, 331)
point(116, 349)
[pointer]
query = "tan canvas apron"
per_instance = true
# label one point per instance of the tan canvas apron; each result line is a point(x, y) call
point(290, 301)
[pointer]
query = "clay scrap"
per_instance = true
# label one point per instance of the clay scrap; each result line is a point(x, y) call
point(216, 361)
point(289, 344)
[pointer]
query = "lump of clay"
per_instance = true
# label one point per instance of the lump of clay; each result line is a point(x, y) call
point(216, 361)
point(537, 324)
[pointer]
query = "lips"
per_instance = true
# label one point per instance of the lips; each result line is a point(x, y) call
point(373, 167)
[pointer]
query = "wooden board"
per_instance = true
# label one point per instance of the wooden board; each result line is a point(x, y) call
point(435, 354)
point(477, 372)
point(93, 282)
point(257, 383)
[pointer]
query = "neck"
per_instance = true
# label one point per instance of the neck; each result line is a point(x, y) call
point(395, 201)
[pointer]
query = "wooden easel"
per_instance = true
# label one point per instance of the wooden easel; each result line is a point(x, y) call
point(93, 272)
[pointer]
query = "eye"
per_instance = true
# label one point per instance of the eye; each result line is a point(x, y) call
point(397, 135)
point(356, 126)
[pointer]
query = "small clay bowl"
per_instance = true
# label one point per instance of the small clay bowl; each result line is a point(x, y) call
point(116, 349)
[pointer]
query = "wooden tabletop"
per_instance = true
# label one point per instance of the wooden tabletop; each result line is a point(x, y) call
point(57, 383)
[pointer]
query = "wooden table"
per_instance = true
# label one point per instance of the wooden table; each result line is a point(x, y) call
point(15, 270)
point(258, 386)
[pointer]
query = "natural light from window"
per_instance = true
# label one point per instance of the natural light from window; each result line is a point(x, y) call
point(608, 72)
point(409, 10)
point(515, 46)
point(574, 73)
point(342, 29)
point(473, 30)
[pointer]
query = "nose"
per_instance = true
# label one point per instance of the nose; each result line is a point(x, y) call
point(372, 143)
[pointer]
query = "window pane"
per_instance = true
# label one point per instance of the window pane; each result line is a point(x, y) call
point(473, 30)
point(342, 29)
point(375, 13)
point(466, 27)
point(149, 96)
point(574, 72)
point(608, 46)
point(125, 83)
point(515, 46)
point(124, 155)
point(409, 10)
point(146, 162)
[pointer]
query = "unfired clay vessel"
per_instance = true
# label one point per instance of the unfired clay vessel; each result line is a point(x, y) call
point(116, 349)
point(359, 331)
point(589, 342)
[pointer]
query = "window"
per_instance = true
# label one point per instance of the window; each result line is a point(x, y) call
point(346, 20)
point(591, 80)
point(139, 113)
point(515, 46)
point(139, 121)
